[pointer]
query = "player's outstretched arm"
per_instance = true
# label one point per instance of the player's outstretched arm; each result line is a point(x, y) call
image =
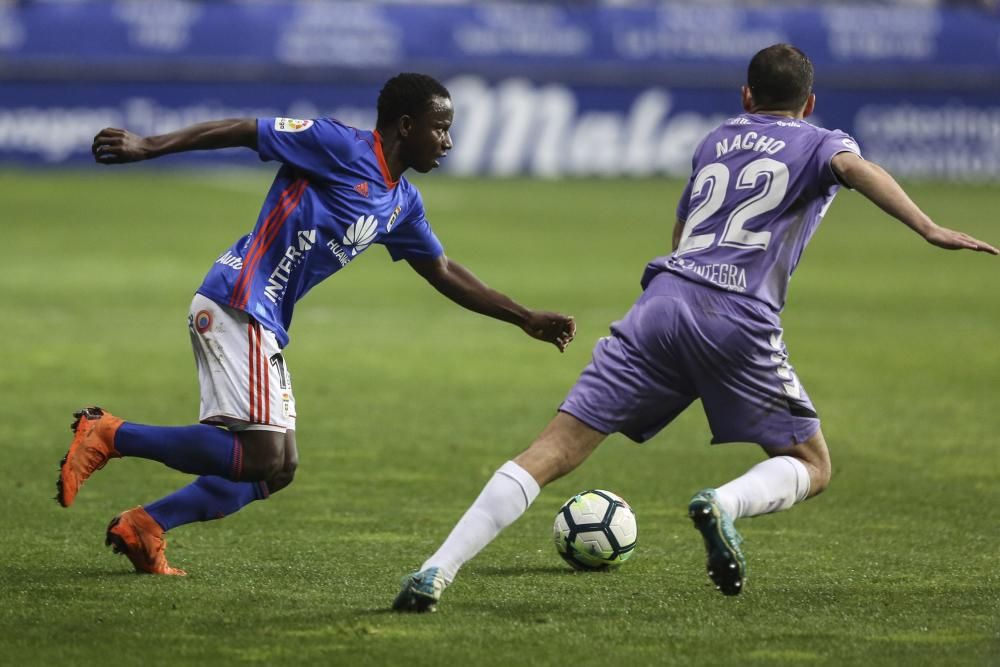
point(881, 188)
point(460, 285)
point(116, 146)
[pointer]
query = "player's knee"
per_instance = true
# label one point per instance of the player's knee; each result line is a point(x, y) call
point(261, 468)
point(816, 456)
point(820, 470)
point(263, 455)
point(550, 460)
point(286, 476)
point(820, 476)
point(560, 449)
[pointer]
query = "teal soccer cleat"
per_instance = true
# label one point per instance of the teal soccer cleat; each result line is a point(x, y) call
point(421, 591)
point(727, 568)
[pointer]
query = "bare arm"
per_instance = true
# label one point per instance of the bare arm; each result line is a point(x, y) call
point(881, 188)
point(116, 146)
point(460, 285)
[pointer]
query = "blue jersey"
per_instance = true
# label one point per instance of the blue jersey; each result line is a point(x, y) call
point(332, 198)
point(759, 187)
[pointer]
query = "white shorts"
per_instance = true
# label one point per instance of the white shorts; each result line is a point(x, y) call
point(245, 384)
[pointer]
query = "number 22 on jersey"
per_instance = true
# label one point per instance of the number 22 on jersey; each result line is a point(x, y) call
point(712, 183)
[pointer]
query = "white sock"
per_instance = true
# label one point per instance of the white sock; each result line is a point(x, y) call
point(770, 486)
point(505, 497)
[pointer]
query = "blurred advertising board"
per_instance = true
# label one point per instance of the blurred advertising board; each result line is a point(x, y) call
point(544, 90)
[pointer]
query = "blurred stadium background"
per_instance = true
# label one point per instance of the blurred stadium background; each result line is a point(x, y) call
point(407, 403)
point(550, 89)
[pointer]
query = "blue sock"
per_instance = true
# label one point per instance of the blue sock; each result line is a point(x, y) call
point(205, 499)
point(199, 450)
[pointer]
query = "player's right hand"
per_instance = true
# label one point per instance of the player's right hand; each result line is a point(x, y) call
point(554, 328)
point(115, 146)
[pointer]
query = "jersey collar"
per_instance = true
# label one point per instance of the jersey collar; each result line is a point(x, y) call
point(386, 176)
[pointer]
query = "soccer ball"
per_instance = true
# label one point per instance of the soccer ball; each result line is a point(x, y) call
point(595, 530)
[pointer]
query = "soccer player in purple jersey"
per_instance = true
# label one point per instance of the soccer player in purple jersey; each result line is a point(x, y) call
point(338, 191)
point(706, 327)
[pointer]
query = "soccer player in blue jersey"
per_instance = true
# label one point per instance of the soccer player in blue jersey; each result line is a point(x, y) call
point(707, 327)
point(338, 191)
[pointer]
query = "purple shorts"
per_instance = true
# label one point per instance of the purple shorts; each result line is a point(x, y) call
point(682, 341)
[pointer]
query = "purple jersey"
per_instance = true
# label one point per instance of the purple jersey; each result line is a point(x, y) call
point(331, 199)
point(759, 188)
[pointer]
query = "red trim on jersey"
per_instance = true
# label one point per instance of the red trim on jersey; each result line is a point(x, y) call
point(269, 232)
point(382, 165)
point(257, 377)
point(250, 384)
point(287, 203)
point(267, 387)
point(257, 390)
point(245, 274)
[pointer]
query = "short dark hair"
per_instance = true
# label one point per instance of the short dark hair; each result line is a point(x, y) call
point(407, 94)
point(780, 77)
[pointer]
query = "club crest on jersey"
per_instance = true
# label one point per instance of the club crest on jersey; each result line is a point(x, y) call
point(362, 188)
point(202, 321)
point(392, 219)
point(291, 124)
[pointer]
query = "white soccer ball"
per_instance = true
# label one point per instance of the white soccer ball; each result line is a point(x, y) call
point(595, 530)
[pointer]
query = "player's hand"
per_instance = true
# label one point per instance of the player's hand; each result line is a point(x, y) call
point(551, 327)
point(949, 239)
point(115, 146)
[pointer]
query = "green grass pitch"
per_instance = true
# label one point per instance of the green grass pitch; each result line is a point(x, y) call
point(407, 404)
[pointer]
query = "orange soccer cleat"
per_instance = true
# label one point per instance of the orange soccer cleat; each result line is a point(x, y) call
point(138, 536)
point(93, 444)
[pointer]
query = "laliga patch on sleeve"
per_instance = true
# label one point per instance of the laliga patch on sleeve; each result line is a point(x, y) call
point(291, 124)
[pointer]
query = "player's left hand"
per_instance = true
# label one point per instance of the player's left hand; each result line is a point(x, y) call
point(553, 328)
point(949, 239)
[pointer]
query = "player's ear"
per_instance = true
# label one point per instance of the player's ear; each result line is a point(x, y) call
point(810, 105)
point(404, 125)
point(747, 98)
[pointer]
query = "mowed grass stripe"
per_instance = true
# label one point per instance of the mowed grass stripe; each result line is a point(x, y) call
point(407, 404)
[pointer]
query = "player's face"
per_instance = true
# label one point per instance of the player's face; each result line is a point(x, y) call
point(428, 138)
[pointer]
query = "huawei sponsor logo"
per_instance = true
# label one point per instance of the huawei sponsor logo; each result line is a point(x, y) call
point(360, 234)
point(357, 237)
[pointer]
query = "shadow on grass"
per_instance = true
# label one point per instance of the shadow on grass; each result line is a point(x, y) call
point(517, 570)
point(71, 573)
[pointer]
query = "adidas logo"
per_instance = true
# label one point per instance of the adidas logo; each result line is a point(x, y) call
point(362, 188)
point(360, 234)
